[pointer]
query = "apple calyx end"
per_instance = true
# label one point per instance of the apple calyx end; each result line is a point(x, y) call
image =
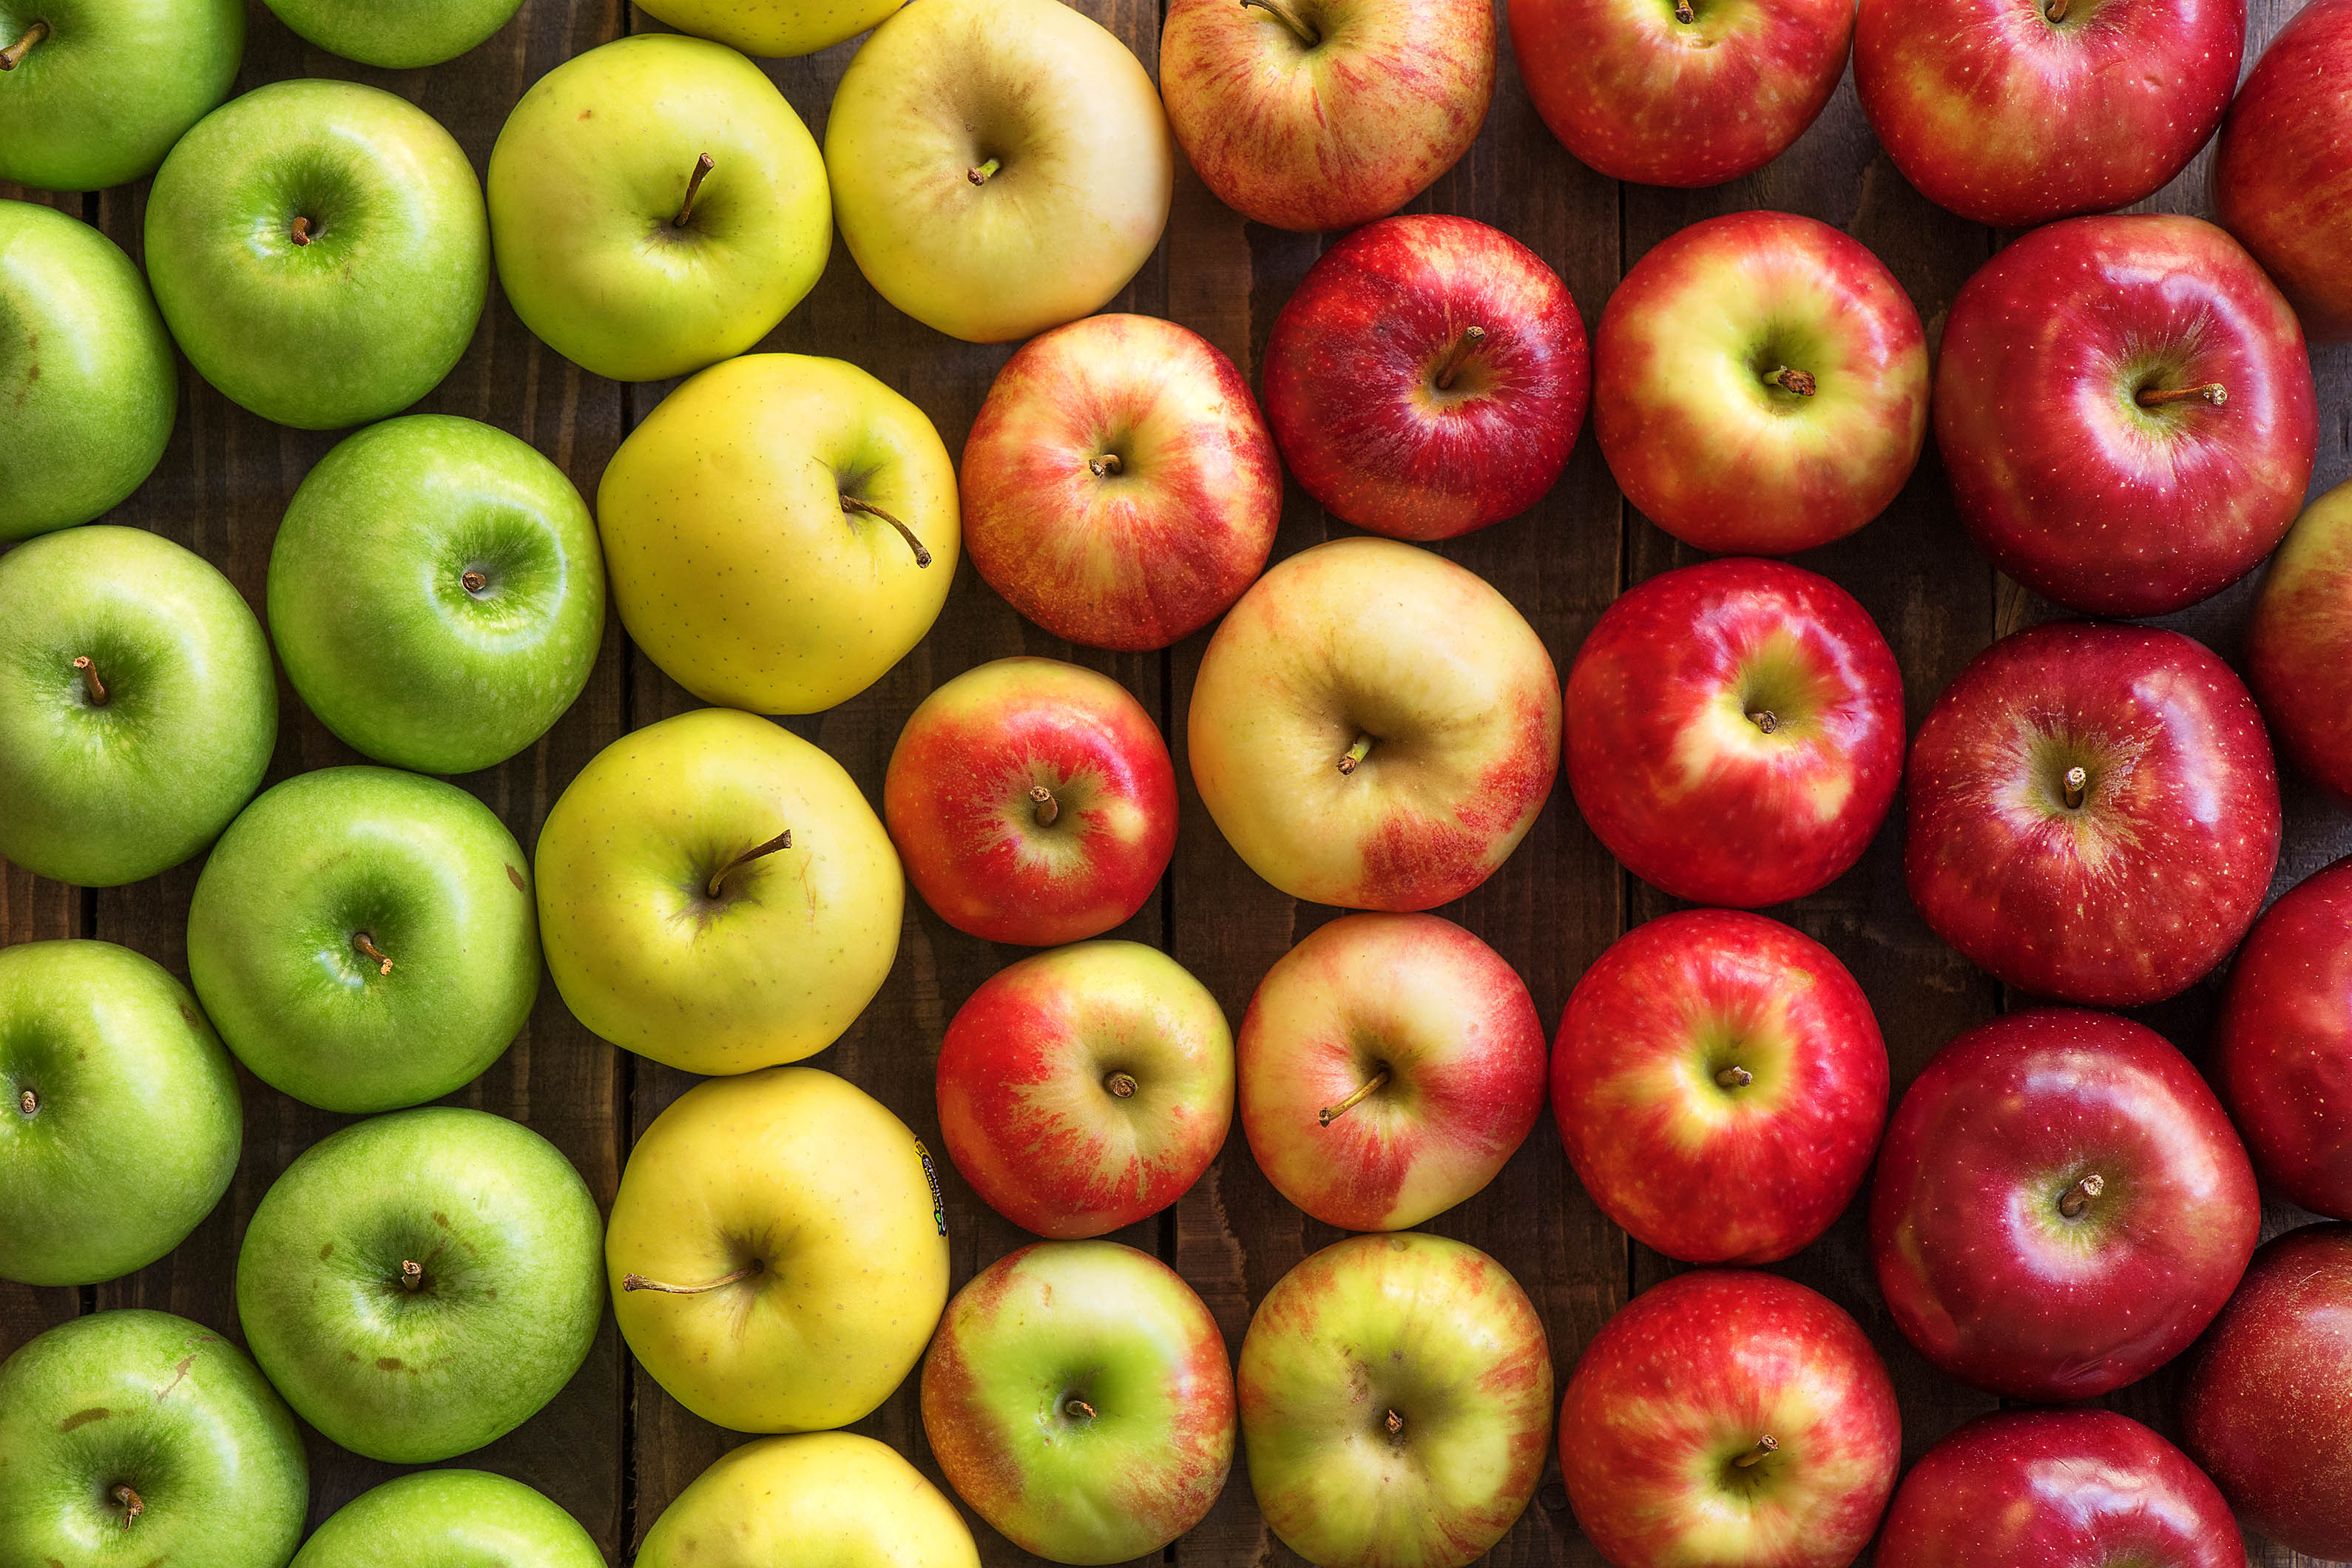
point(1458, 351)
point(1121, 1086)
point(851, 504)
point(702, 167)
point(982, 173)
point(1766, 1446)
point(1764, 718)
point(1282, 14)
point(2077, 782)
point(2213, 393)
point(2077, 1198)
point(91, 684)
point(1045, 808)
point(1362, 1092)
point(1735, 1077)
point(411, 1274)
point(634, 1282)
point(717, 886)
point(365, 942)
point(1800, 381)
point(133, 1504)
point(1354, 756)
point(14, 55)
point(28, 1103)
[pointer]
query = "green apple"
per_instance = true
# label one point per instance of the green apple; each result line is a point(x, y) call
point(89, 378)
point(829, 1498)
point(781, 531)
point(777, 1253)
point(121, 1125)
point(998, 167)
point(451, 1519)
point(657, 207)
point(364, 938)
point(715, 894)
point(137, 705)
point(437, 593)
point(100, 90)
point(320, 252)
point(134, 1438)
point(397, 35)
point(419, 1284)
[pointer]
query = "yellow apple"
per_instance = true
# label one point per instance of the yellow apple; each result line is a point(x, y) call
point(825, 1499)
point(998, 167)
point(773, 28)
point(777, 1251)
point(780, 531)
point(676, 926)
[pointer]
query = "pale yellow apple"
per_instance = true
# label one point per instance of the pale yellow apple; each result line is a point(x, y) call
point(780, 531)
point(777, 1252)
point(998, 167)
point(774, 26)
point(825, 1499)
point(676, 927)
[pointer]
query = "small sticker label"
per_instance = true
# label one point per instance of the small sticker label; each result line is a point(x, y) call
point(939, 1205)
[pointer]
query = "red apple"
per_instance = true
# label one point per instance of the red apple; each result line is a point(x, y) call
point(1760, 385)
point(1389, 1065)
point(2057, 1488)
point(1085, 1088)
point(2012, 112)
point(1735, 732)
point(1727, 1416)
point(2283, 1049)
point(1720, 1083)
point(2061, 1206)
point(1118, 487)
point(2282, 177)
point(1694, 94)
point(1427, 377)
point(1033, 802)
point(1324, 114)
point(2299, 645)
point(2093, 813)
point(2125, 407)
point(2267, 1405)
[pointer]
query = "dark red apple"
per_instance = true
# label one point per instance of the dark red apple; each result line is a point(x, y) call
point(2125, 407)
point(2057, 1488)
point(2061, 1206)
point(2299, 643)
point(1427, 377)
point(2283, 1049)
point(2093, 813)
point(1727, 1417)
point(1720, 1084)
point(2283, 176)
point(2267, 1405)
point(1735, 731)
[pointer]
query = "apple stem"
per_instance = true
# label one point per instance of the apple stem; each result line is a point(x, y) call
point(28, 1102)
point(365, 942)
point(639, 1282)
point(1331, 1113)
point(1103, 466)
point(1766, 1446)
point(719, 878)
point(2213, 393)
point(1121, 1084)
point(1796, 380)
point(1356, 754)
point(89, 680)
point(1765, 719)
point(1683, 14)
point(302, 231)
point(16, 52)
point(702, 167)
point(411, 1274)
point(1048, 808)
point(984, 173)
point(1077, 1409)
point(2076, 1198)
point(1288, 18)
point(852, 504)
point(134, 1505)
point(1735, 1078)
point(473, 581)
point(2078, 780)
point(1464, 347)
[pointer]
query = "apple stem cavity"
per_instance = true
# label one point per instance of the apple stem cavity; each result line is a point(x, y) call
point(1355, 755)
point(2213, 393)
point(134, 1505)
point(11, 57)
point(1735, 1078)
point(983, 173)
point(719, 878)
point(365, 942)
point(1765, 719)
point(1766, 1446)
point(1121, 1084)
point(1103, 466)
point(2077, 781)
point(2076, 1198)
point(1462, 348)
point(302, 231)
point(1048, 808)
point(1797, 381)
point(1288, 18)
point(639, 1282)
point(702, 167)
point(852, 504)
point(91, 683)
point(1331, 1113)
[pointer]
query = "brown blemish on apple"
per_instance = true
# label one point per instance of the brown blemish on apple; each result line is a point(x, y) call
point(84, 1418)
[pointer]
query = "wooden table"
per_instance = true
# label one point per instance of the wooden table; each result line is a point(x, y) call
point(613, 1447)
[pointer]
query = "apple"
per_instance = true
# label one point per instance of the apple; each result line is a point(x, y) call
point(772, 28)
point(2263, 1407)
point(2060, 1489)
point(364, 938)
point(655, 205)
point(1033, 801)
point(1390, 1066)
point(1696, 94)
point(1759, 385)
point(714, 893)
point(2283, 175)
point(138, 707)
point(1726, 1415)
point(95, 382)
point(436, 594)
point(452, 1516)
point(998, 167)
point(96, 91)
point(395, 38)
point(2014, 114)
point(2125, 407)
point(1720, 1084)
point(2283, 1048)
point(1324, 114)
point(1077, 1396)
point(1373, 726)
point(1735, 732)
point(2299, 643)
point(1396, 1403)
point(1119, 488)
point(2061, 1206)
point(121, 1125)
point(319, 251)
point(777, 1252)
point(134, 1435)
point(827, 1492)
point(2093, 814)
point(780, 530)
point(1427, 377)
point(1085, 1088)
point(419, 1284)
